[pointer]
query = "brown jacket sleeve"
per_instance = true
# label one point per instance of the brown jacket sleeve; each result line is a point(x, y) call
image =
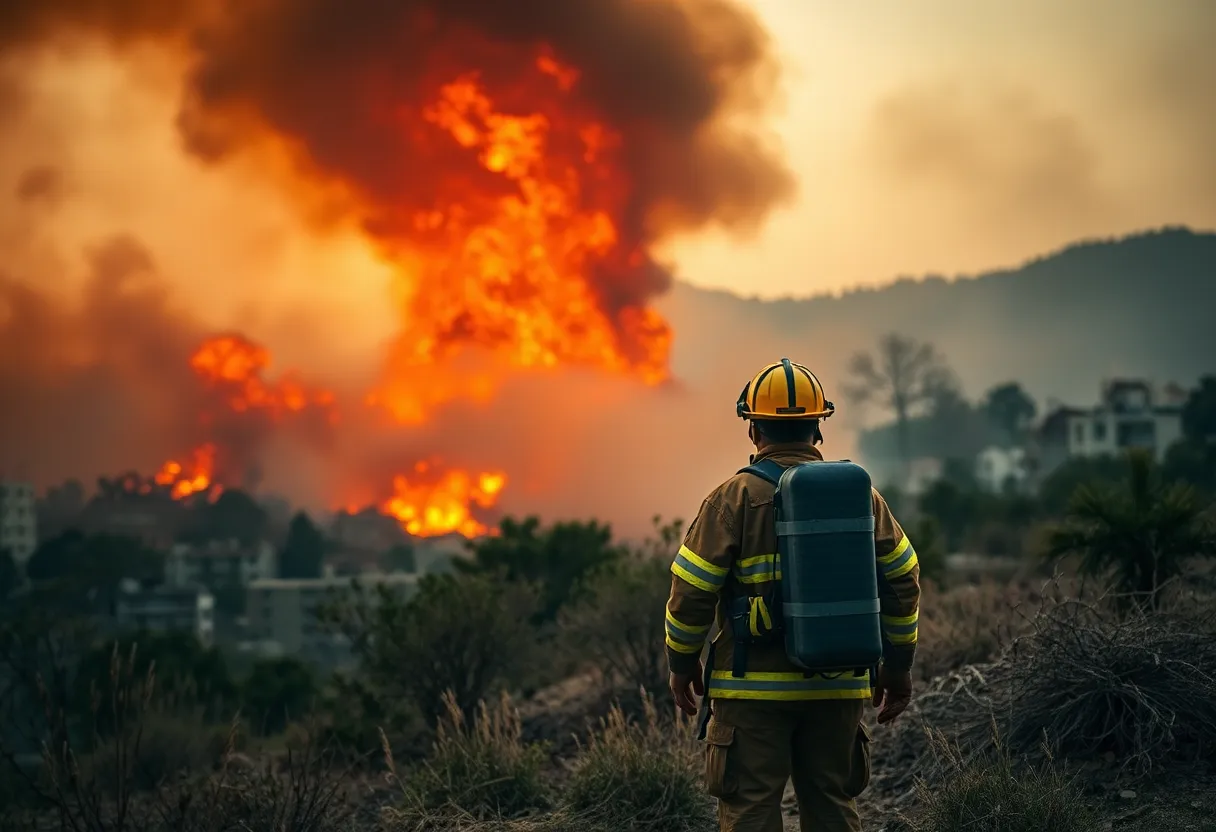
point(898, 588)
point(698, 573)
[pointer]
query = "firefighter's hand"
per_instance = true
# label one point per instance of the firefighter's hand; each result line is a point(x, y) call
point(680, 685)
point(893, 692)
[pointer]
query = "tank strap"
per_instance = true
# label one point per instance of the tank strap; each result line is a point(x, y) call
point(765, 469)
point(846, 524)
point(738, 667)
point(705, 712)
point(822, 609)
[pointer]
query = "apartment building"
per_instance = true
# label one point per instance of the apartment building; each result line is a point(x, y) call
point(282, 613)
point(189, 609)
point(18, 520)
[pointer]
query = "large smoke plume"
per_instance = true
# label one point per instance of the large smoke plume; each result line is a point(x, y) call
point(333, 92)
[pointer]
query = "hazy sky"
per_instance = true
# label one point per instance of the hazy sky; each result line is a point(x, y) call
point(954, 136)
point(936, 136)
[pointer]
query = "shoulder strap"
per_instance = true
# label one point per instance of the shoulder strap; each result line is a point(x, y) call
point(765, 469)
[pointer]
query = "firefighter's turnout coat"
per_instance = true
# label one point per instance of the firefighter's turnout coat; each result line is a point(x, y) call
point(731, 547)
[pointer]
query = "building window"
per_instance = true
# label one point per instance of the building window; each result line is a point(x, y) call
point(1078, 433)
point(1100, 431)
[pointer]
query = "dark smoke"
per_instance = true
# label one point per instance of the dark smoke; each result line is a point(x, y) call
point(342, 80)
point(104, 386)
point(87, 384)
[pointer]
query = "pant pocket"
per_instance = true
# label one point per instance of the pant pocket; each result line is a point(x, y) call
point(859, 770)
point(720, 778)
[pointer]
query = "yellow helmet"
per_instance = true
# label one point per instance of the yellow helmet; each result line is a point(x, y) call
point(784, 390)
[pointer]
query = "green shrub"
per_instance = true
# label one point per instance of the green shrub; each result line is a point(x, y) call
point(992, 794)
point(483, 771)
point(640, 777)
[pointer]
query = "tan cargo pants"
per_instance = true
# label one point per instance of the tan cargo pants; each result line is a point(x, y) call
point(754, 747)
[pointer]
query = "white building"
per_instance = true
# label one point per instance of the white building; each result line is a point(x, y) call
point(1128, 416)
point(18, 520)
point(168, 609)
point(220, 563)
point(999, 470)
point(282, 613)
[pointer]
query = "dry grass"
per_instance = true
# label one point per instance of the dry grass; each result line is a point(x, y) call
point(149, 773)
point(969, 624)
point(627, 776)
point(994, 794)
point(477, 772)
point(1141, 687)
point(643, 776)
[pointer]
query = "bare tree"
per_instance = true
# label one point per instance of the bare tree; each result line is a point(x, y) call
point(903, 375)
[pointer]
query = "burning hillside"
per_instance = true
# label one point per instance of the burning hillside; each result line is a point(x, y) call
point(515, 164)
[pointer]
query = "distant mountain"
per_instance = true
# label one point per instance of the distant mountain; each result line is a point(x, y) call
point(1143, 305)
point(1138, 306)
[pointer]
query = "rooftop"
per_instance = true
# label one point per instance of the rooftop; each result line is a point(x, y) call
point(336, 581)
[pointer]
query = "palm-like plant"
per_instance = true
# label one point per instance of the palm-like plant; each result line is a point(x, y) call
point(1140, 535)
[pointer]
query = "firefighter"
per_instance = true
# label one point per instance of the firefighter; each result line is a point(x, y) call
point(777, 722)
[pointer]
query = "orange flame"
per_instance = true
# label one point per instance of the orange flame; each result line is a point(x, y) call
point(235, 365)
point(429, 505)
point(509, 266)
point(194, 478)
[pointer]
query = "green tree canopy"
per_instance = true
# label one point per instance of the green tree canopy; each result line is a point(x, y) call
point(556, 558)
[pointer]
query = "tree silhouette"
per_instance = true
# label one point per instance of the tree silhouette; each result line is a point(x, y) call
point(303, 555)
point(233, 516)
point(1140, 535)
point(1010, 409)
point(904, 376)
point(1199, 412)
point(10, 574)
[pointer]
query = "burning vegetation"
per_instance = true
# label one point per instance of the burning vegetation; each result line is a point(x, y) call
point(516, 163)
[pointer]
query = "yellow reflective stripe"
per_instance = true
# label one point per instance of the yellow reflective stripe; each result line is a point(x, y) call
point(701, 563)
point(900, 561)
point(762, 578)
point(700, 583)
point(789, 695)
point(746, 563)
point(697, 571)
point(901, 629)
point(681, 647)
point(685, 628)
point(905, 567)
point(787, 686)
point(897, 551)
point(681, 637)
